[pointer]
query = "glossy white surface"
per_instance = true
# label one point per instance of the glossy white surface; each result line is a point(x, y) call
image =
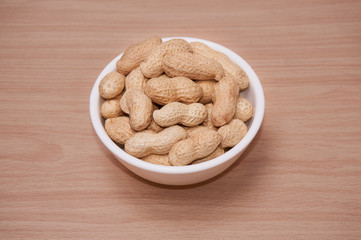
point(183, 175)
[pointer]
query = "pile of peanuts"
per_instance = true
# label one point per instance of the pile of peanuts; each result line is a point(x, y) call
point(175, 103)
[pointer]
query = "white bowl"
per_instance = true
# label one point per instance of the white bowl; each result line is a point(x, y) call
point(184, 175)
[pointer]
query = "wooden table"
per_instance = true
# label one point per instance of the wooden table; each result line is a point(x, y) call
point(299, 179)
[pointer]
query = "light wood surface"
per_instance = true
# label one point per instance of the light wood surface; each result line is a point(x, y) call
point(299, 179)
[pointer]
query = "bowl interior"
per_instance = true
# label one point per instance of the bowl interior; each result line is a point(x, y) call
point(254, 94)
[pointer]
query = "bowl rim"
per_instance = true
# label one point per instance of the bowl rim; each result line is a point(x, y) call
point(117, 151)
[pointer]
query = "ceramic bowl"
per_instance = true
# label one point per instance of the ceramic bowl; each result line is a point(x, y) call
point(183, 175)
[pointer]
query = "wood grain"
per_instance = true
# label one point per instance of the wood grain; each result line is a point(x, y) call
point(299, 179)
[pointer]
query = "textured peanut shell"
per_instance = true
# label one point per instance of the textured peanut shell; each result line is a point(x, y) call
point(163, 90)
point(153, 125)
point(200, 145)
point(123, 103)
point(136, 54)
point(224, 101)
point(152, 65)
point(227, 64)
point(111, 108)
point(118, 129)
point(218, 152)
point(244, 109)
point(208, 89)
point(149, 142)
point(232, 133)
point(111, 85)
point(176, 112)
point(193, 130)
point(197, 67)
point(135, 80)
point(157, 159)
point(208, 121)
point(140, 109)
point(164, 76)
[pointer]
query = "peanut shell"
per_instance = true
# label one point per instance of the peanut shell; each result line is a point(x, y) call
point(111, 85)
point(136, 54)
point(196, 67)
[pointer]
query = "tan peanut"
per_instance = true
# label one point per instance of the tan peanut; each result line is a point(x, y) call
point(198, 146)
point(176, 112)
point(244, 109)
point(123, 103)
point(157, 159)
point(118, 129)
point(163, 90)
point(199, 130)
point(152, 65)
point(136, 54)
point(135, 80)
point(208, 89)
point(153, 125)
point(149, 142)
point(197, 67)
point(111, 108)
point(232, 133)
point(140, 109)
point(208, 121)
point(224, 101)
point(227, 64)
point(218, 152)
point(111, 85)
point(192, 130)
point(164, 76)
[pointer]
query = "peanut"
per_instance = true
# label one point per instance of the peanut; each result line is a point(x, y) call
point(157, 159)
point(208, 121)
point(135, 80)
point(153, 125)
point(227, 64)
point(164, 76)
point(140, 109)
point(111, 108)
point(197, 67)
point(149, 142)
point(118, 129)
point(175, 112)
point(244, 109)
point(224, 100)
point(208, 89)
point(163, 90)
point(123, 103)
point(136, 54)
point(198, 146)
point(111, 85)
point(152, 65)
point(218, 152)
point(232, 133)
point(191, 131)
